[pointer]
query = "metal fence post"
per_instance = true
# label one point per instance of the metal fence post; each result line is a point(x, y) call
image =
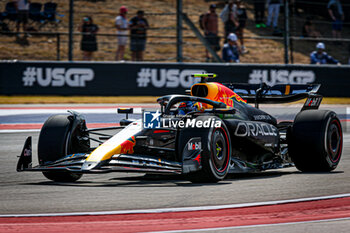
point(58, 45)
point(71, 23)
point(179, 57)
point(286, 32)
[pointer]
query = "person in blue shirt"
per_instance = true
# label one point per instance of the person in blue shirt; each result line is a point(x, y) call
point(231, 50)
point(321, 57)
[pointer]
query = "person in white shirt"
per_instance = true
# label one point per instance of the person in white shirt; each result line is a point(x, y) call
point(122, 26)
point(22, 11)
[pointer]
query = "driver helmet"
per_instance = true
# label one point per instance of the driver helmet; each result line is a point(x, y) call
point(187, 106)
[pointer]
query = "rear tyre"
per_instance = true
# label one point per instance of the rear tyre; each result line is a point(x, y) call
point(316, 141)
point(57, 139)
point(216, 156)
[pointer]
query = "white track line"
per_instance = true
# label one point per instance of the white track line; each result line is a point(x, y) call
point(11, 112)
point(181, 209)
point(252, 226)
point(18, 130)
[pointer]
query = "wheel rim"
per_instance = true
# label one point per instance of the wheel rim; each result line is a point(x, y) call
point(334, 140)
point(219, 149)
point(220, 154)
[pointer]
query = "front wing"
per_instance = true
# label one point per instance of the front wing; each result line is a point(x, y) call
point(118, 163)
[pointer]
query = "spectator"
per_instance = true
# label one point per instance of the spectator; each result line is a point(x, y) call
point(122, 26)
point(231, 51)
point(309, 30)
point(88, 41)
point(138, 26)
point(242, 18)
point(229, 17)
point(335, 10)
point(321, 57)
point(259, 12)
point(23, 13)
point(210, 25)
point(273, 11)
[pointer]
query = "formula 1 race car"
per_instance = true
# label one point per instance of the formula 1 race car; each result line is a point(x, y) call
point(205, 135)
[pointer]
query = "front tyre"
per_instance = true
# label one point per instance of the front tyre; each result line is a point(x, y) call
point(57, 139)
point(316, 141)
point(216, 155)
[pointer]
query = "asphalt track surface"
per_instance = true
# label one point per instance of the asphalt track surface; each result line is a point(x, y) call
point(32, 193)
point(23, 193)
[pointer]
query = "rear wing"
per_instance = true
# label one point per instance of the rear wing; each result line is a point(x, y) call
point(277, 94)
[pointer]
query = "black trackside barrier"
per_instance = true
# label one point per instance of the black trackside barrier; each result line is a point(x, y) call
point(156, 79)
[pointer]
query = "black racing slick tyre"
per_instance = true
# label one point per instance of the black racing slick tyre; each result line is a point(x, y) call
point(56, 140)
point(216, 155)
point(316, 141)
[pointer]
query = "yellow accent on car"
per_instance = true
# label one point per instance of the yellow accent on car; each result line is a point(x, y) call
point(106, 150)
point(123, 142)
point(287, 90)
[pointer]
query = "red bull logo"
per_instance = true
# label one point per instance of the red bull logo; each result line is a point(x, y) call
point(127, 147)
point(238, 98)
point(226, 96)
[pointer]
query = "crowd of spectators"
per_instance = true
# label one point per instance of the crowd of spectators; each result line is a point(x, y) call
point(133, 31)
point(234, 17)
point(136, 26)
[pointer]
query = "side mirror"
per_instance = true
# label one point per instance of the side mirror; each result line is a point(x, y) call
point(125, 122)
